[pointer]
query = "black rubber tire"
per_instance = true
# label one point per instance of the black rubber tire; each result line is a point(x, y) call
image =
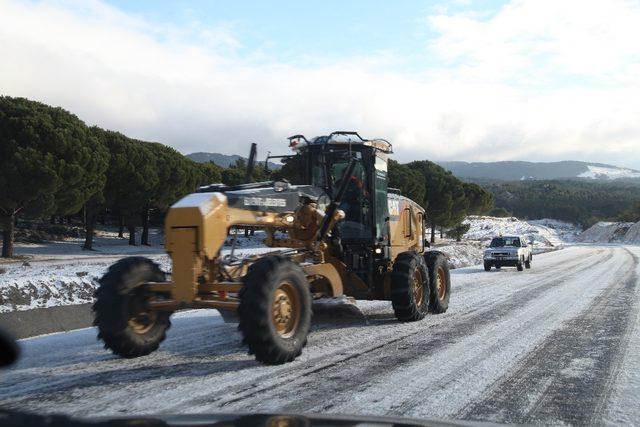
point(520, 265)
point(9, 350)
point(437, 260)
point(498, 267)
point(487, 266)
point(255, 313)
point(527, 263)
point(120, 287)
point(403, 298)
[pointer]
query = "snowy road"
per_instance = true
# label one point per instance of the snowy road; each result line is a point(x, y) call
point(558, 343)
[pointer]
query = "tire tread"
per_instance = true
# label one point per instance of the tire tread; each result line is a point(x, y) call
point(255, 310)
point(113, 330)
point(402, 298)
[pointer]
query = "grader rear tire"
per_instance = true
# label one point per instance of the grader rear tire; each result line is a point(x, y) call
point(409, 287)
point(125, 325)
point(440, 281)
point(275, 310)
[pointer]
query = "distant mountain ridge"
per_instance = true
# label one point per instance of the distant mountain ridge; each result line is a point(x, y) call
point(500, 171)
point(224, 160)
point(521, 170)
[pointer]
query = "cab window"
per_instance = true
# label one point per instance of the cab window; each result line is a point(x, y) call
point(381, 201)
point(406, 219)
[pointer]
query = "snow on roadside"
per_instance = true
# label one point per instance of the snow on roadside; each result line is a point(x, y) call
point(54, 275)
point(29, 285)
point(462, 254)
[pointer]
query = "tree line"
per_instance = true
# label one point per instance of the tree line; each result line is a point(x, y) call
point(446, 199)
point(578, 201)
point(53, 165)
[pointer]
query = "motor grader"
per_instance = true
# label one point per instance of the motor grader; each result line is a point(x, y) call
point(342, 233)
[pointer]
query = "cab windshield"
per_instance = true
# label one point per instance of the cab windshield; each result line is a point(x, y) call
point(356, 202)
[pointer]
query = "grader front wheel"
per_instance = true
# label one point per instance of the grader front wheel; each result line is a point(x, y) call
point(275, 310)
point(125, 325)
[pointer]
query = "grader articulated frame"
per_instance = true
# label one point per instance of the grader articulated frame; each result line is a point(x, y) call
point(343, 234)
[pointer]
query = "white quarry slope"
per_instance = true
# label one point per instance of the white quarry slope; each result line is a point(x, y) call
point(633, 234)
point(603, 172)
point(554, 345)
point(612, 232)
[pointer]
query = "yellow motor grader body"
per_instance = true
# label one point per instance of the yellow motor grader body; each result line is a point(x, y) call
point(195, 231)
point(198, 226)
point(344, 234)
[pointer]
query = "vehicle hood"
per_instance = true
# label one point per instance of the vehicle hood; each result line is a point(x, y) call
point(227, 419)
point(264, 196)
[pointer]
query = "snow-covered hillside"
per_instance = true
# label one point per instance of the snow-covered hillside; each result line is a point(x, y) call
point(604, 172)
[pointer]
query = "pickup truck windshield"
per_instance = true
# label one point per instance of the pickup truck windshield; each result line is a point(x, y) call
point(499, 242)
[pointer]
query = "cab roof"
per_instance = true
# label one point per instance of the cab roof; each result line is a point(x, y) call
point(402, 198)
point(299, 141)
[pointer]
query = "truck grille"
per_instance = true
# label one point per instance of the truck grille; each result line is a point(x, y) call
point(499, 254)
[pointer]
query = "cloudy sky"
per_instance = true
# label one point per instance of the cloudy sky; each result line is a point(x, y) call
point(538, 80)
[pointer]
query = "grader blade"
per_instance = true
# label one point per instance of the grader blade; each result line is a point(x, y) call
point(340, 309)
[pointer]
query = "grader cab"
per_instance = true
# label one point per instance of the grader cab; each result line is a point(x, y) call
point(343, 232)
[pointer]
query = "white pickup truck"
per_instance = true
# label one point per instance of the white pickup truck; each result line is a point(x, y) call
point(513, 251)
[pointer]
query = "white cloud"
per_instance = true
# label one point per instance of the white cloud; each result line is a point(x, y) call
point(540, 80)
point(545, 40)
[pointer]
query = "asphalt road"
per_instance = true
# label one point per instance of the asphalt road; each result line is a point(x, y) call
point(555, 344)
